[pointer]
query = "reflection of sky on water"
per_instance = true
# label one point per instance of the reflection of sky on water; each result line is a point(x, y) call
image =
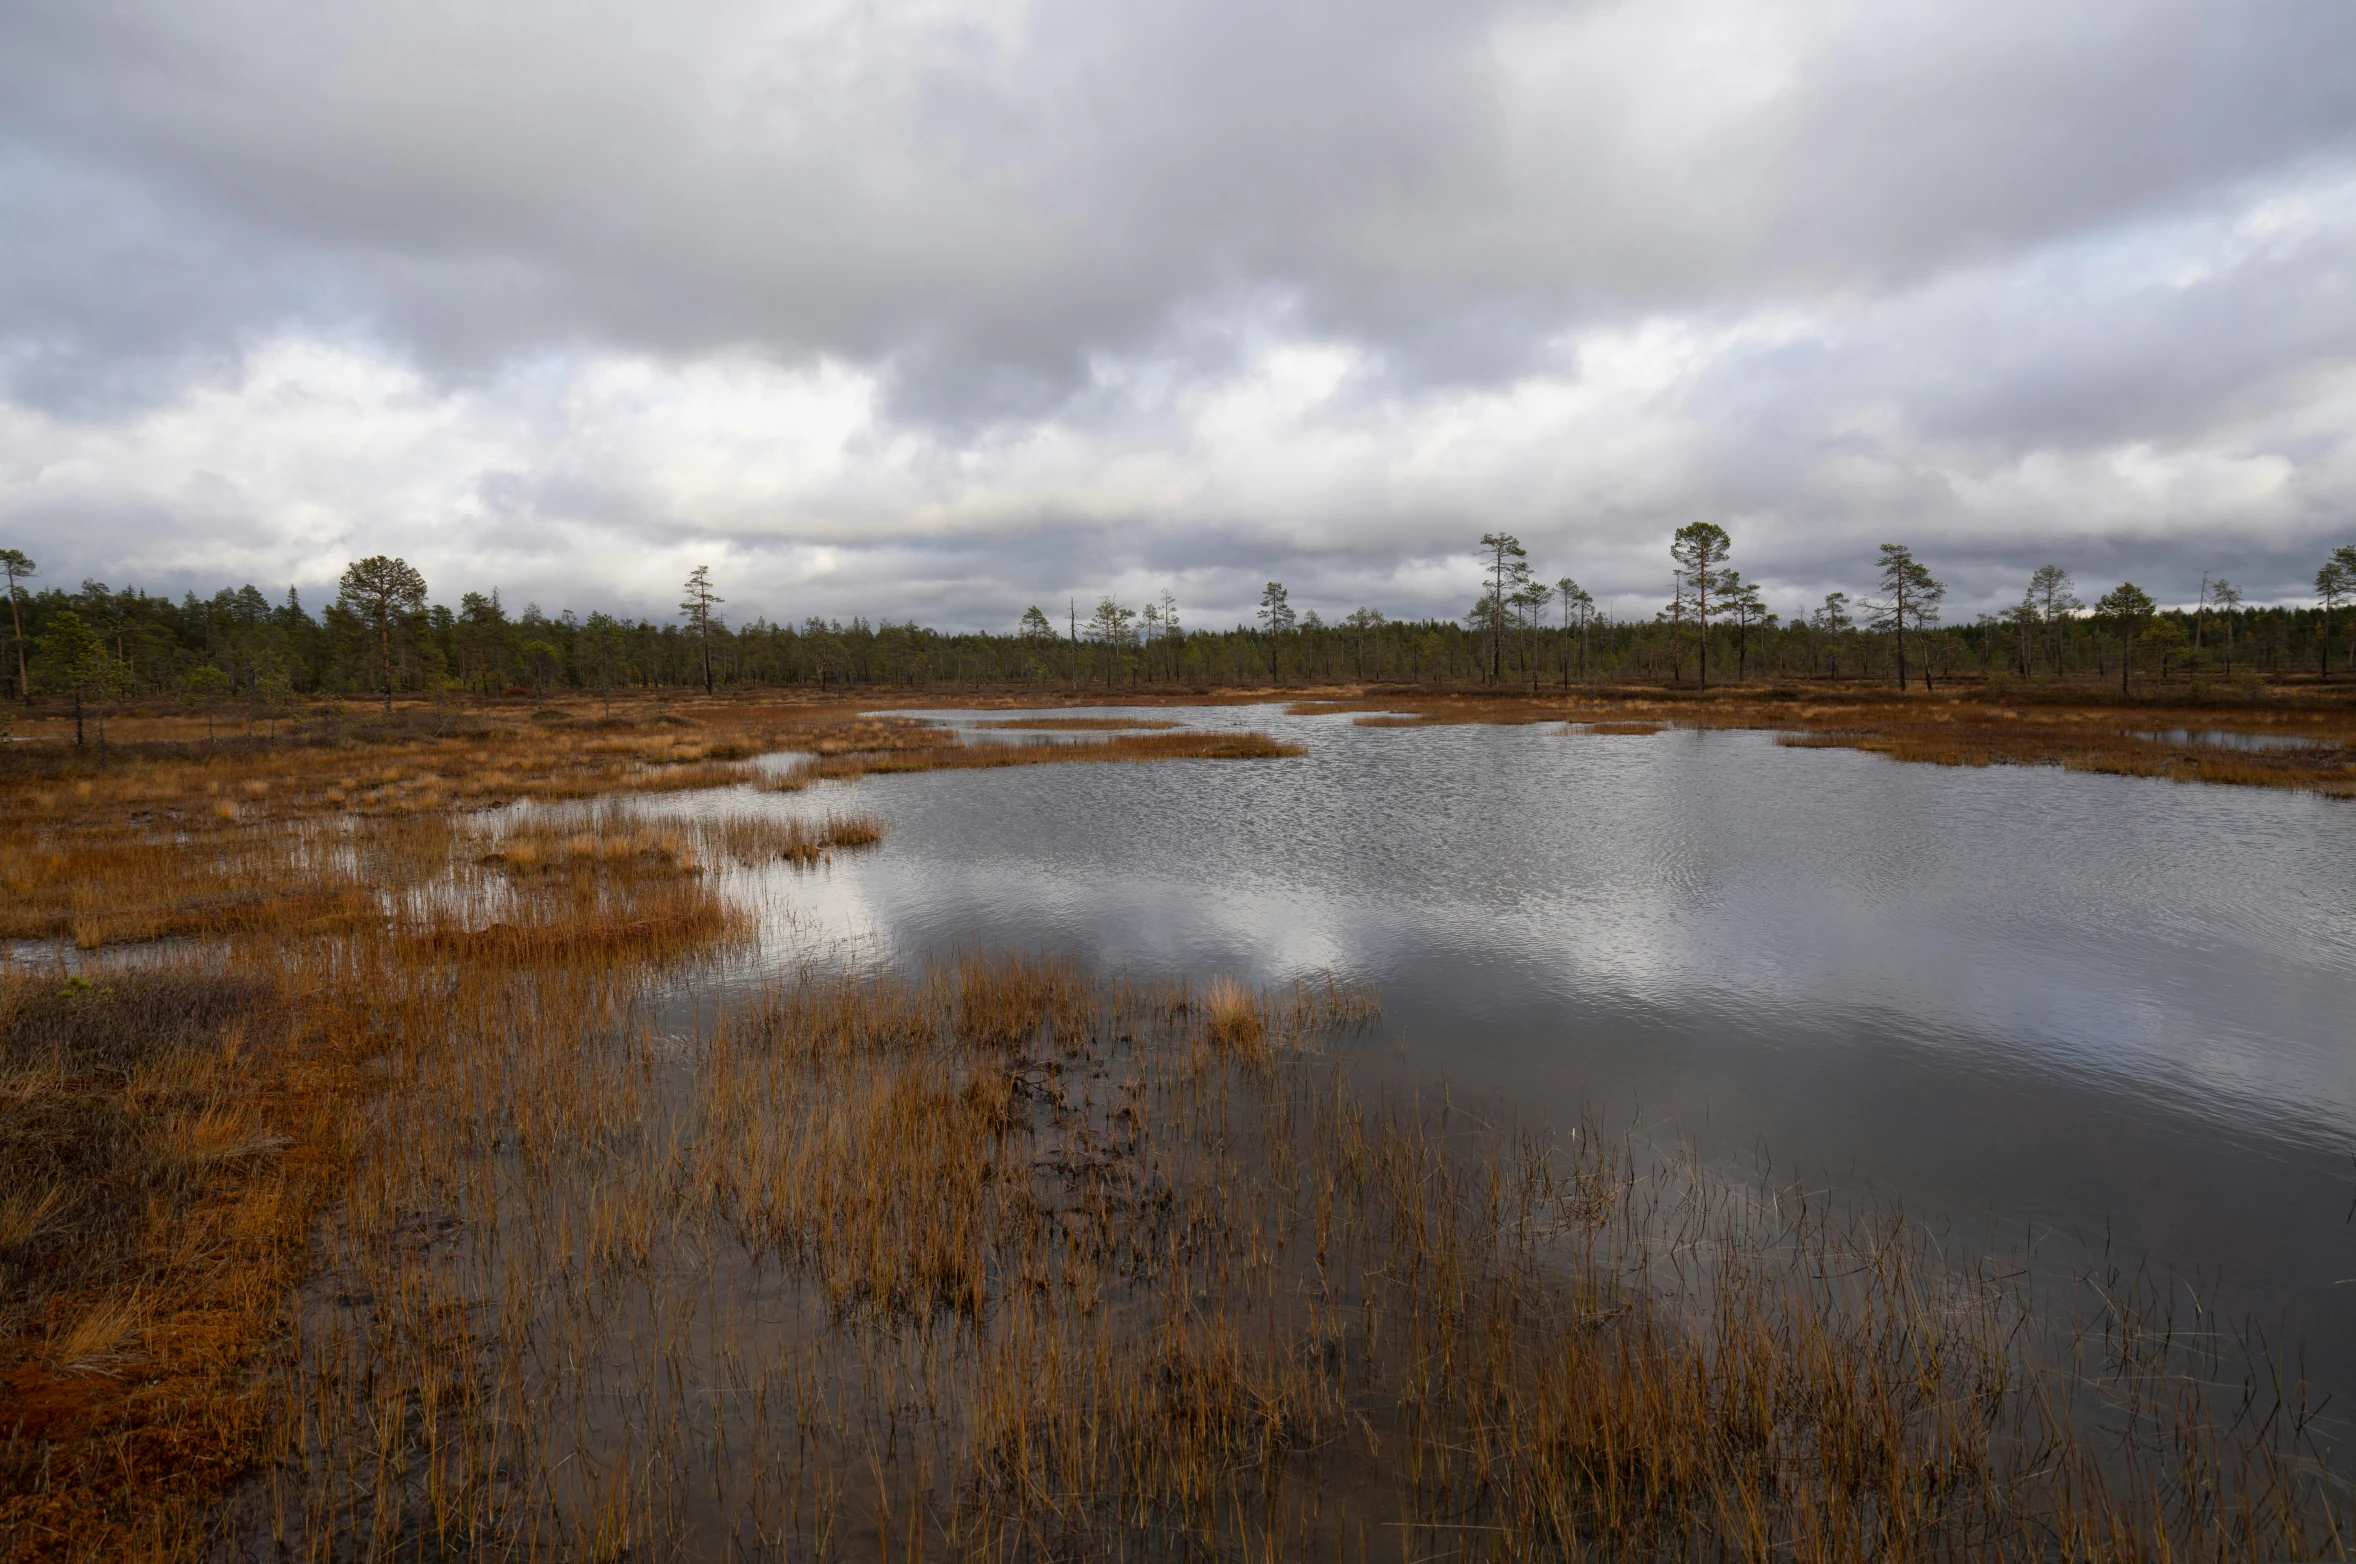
point(2053, 996)
point(2174, 936)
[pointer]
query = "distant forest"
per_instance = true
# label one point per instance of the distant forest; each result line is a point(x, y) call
point(240, 645)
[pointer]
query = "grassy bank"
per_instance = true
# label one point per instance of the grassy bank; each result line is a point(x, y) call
point(2301, 740)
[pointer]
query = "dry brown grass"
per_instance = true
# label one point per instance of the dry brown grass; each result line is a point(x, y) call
point(171, 1124)
point(162, 1133)
point(956, 756)
point(2097, 740)
point(870, 735)
point(115, 887)
point(594, 925)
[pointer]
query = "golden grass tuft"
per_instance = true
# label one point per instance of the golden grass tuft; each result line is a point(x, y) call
point(27, 1213)
point(1233, 1012)
point(755, 839)
point(99, 1340)
point(216, 1132)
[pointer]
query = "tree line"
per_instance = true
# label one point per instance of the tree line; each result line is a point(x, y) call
point(2051, 633)
point(240, 651)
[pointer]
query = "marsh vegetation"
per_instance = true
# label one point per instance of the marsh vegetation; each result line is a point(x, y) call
point(397, 1166)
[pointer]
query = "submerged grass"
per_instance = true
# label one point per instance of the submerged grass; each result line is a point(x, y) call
point(1000, 1258)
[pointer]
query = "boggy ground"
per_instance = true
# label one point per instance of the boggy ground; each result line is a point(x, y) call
point(407, 1169)
point(205, 931)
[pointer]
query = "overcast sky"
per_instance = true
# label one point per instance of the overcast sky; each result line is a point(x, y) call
point(940, 309)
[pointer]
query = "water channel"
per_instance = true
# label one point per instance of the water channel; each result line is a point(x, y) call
point(2072, 1012)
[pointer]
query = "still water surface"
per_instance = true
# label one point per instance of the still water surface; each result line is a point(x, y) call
point(2066, 1009)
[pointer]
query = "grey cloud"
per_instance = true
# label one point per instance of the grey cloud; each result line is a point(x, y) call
point(114, 294)
point(688, 176)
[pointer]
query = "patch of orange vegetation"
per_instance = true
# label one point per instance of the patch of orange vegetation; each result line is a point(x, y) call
point(1183, 745)
point(688, 919)
point(123, 1452)
point(134, 1325)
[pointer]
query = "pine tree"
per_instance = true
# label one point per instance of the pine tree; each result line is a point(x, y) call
point(1832, 622)
point(1577, 606)
point(1910, 601)
point(2128, 608)
point(2225, 597)
point(1277, 614)
point(385, 595)
point(697, 606)
point(74, 659)
point(2049, 589)
point(1110, 628)
point(17, 567)
point(1509, 572)
point(1741, 599)
point(1362, 622)
point(1698, 548)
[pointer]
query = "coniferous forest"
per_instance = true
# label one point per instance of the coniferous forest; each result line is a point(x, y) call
point(241, 644)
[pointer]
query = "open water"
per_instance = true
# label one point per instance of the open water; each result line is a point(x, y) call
point(2075, 1013)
